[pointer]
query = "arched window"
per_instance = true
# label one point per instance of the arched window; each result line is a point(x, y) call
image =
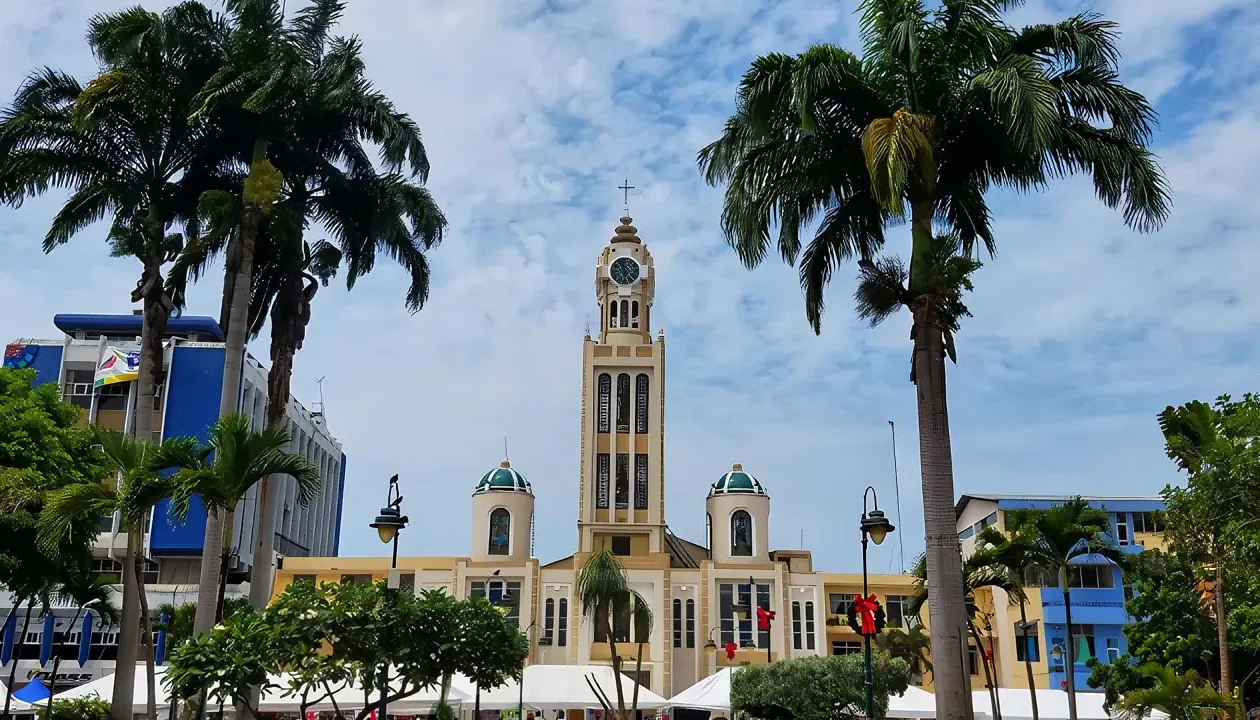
point(641, 403)
point(625, 313)
point(741, 534)
point(623, 402)
point(500, 531)
point(605, 402)
point(634, 314)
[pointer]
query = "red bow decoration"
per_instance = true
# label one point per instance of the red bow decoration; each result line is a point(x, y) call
point(730, 650)
point(865, 607)
point(764, 617)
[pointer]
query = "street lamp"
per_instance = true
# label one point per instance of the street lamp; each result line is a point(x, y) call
point(387, 524)
point(875, 527)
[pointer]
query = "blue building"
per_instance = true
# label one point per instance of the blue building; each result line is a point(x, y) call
point(1098, 592)
point(90, 365)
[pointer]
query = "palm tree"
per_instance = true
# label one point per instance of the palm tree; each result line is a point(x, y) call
point(604, 593)
point(1181, 696)
point(328, 176)
point(132, 496)
point(1057, 540)
point(124, 147)
point(943, 105)
point(1015, 555)
point(221, 472)
point(911, 644)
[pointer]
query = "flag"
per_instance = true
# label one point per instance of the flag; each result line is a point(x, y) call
point(6, 643)
point(118, 364)
point(85, 638)
point(46, 639)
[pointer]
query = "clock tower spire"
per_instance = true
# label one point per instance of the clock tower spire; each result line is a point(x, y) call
point(621, 503)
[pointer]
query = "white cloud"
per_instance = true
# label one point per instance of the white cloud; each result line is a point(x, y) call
point(533, 113)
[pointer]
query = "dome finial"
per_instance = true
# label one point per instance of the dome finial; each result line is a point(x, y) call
point(737, 467)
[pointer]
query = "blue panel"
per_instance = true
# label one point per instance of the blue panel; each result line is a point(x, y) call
point(192, 405)
point(130, 325)
point(341, 494)
point(45, 360)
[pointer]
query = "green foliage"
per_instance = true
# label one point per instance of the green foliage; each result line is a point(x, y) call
point(179, 626)
point(89, 708)
point(42, 450)
point(337, 635)
point(263, 185)
point(913, 645)
point(604, 590)
point(1117, 678)
point(1183, 696)
point(1172, 626)
point(816, 688)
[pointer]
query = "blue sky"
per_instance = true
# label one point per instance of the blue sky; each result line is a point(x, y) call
point(534, 111)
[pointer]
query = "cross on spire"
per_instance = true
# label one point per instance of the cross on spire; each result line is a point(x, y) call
point(625, 189)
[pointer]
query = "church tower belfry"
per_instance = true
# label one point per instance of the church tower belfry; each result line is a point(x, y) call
point(621, 504)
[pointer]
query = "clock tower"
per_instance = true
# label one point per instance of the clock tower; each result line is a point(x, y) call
point(621, 505)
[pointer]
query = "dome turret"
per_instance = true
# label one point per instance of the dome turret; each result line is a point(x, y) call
point(503, 478)
point(737, 481)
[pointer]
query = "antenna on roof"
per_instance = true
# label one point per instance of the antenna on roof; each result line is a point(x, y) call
point(505, 452)
point(320, 382)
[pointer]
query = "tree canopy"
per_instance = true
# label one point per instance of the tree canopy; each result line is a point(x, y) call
point(817, 688)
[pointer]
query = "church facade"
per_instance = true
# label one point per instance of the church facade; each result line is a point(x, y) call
point(694, 589)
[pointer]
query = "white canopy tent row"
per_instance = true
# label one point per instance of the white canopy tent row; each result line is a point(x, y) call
point(714, 694)
point(1052, 704)
point(546, 687)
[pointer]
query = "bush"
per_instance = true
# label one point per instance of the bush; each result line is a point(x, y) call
point(76, 709)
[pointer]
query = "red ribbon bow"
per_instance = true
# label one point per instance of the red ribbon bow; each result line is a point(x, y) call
point(764, 617)
point(865, 609)
point(730, 650)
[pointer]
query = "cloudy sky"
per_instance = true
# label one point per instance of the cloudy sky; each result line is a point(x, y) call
point(534, 110)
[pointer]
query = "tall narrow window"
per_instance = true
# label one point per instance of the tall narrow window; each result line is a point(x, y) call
point(691, 623)
point(604, 411)
point(641, 481)
point(678, 623)
point(737, 614)
point(763, 601)
point(798, 627)
point(641, 404)
point(562, 638)
point(634, 314)
point(809, 626)
point(549, 619)
point(625, 313)
point(623, 481)
point(741, 534)
point(612, 314)
point(601, 481)
point(623, 403)
point(500, 531)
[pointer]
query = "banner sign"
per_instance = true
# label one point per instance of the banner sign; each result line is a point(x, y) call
point(118, 364)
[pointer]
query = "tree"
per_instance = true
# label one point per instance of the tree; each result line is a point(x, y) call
point(913, 645)
point(943, 105)
point(131, 497)
point(125, 148)
point(309, 94)
point(1181, 696)
point(1217, 445)
point(1014, 556)
point(179, 620)
point(222, 471)
point(339, 635)
point(1058, 538)
point(89, 708)
point(816, 688)
point(604, 591)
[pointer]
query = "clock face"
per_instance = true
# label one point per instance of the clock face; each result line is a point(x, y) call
point(624, 271)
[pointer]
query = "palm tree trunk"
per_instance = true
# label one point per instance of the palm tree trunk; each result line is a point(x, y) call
point(638, 669)
point(1032, 686)
point(1069, 660)
point(988, 676)
point(616, 661)
point(946, 603)
point(146, 628)
point(1222, 634)
point(17, 652)
point(120, 707)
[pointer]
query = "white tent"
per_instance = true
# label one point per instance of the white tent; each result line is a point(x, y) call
point(915, 702)
point(1052, 704)
point(281, 699)
point(15, 706)
point(712, 693)
point(103, 688)
point(560, 687)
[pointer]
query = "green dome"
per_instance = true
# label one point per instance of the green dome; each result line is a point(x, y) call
point(737, 482)
point(503, 478)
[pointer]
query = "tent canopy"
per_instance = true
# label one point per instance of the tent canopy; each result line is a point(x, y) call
point(33, 691)
point(103, 688)
point(915, 702)
point(561, 687)
point(712, 693)
point(1052, 704)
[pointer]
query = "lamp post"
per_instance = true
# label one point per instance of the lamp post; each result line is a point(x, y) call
point(712, 645)
point(505, 605)
point(874, 527)
point(388, 523)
